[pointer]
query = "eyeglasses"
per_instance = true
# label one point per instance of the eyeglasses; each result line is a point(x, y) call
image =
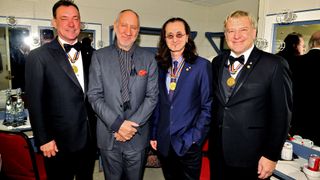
point(178, 35)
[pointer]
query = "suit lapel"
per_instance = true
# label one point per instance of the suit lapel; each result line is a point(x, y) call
point(162, 83)
point(246, 70)
point(224, 59)
point(61, 58)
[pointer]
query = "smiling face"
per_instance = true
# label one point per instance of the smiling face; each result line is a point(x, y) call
point(176, 37)
point(126, 28)
point(67, 23)
point(240, 34)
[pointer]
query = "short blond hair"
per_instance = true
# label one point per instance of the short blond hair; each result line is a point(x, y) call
point(240, 13)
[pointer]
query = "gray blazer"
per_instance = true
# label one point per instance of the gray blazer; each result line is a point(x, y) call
point(105, 96)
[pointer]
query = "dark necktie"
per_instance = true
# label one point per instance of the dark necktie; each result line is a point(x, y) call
point(240, 59)
point(173, 79)
point(125, 65)
point(68, 47)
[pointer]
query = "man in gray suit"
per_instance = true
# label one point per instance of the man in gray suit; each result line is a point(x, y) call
point(123, 91)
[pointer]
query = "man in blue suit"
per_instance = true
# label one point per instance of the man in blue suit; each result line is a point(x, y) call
point(183, 113)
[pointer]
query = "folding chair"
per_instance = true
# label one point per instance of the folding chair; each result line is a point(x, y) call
point(19, 160)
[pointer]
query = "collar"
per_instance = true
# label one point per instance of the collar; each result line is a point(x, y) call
point(246, 54)
point(133, 47)
point(180, 59)
point(65, 42)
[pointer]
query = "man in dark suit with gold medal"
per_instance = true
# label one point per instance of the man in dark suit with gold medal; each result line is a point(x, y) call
point(252, 102)
point(56, 83)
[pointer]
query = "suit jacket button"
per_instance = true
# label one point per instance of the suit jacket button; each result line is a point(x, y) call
point(121, 106)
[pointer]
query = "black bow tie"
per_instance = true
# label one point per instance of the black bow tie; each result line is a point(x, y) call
point(76, 46)
point(240, 59)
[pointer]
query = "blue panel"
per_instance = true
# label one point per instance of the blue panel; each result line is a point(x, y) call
point(281, 175)
point(303, 151)
point(210, 35)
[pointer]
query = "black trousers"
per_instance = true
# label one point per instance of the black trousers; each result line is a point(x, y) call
point(220, 170)
point(70, 165)
point(186, 167)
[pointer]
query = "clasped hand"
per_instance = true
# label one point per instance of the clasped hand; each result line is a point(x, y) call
point(126, 131)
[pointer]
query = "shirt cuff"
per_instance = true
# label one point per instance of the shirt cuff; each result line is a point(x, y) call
point(116, 124)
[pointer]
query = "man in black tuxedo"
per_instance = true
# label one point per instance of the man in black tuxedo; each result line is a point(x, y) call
point(252, 105)
point(305, 93)
point(56, 84)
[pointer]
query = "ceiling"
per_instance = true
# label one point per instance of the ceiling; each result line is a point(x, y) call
point(208, 2)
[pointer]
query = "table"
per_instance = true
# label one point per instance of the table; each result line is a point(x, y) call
point(291, 170)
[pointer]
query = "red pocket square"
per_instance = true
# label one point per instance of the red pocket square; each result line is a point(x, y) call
point(142, 72)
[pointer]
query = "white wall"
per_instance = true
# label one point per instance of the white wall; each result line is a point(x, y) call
point(218, 14)
point(153, 13)
point(275, 6)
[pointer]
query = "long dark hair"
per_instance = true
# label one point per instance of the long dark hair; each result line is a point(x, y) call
point(163, 55)
point(292, 42)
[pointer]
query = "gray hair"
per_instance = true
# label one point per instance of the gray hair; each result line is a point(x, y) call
point(126, 10)
point(314, 40)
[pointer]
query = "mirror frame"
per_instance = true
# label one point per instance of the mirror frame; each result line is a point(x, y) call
point(271, 24)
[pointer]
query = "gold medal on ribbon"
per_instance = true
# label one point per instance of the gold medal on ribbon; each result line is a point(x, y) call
point(75, 69)
point(231, 81)
point(173, 86)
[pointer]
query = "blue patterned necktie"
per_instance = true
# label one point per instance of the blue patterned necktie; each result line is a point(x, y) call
point(125, 65)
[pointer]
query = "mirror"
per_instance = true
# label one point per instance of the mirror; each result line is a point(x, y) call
point(19, 50)
point(20, 35)
point(13, 50)
point(306, 28)
point(20, 42)
point(304, 125)
point(4, 53)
